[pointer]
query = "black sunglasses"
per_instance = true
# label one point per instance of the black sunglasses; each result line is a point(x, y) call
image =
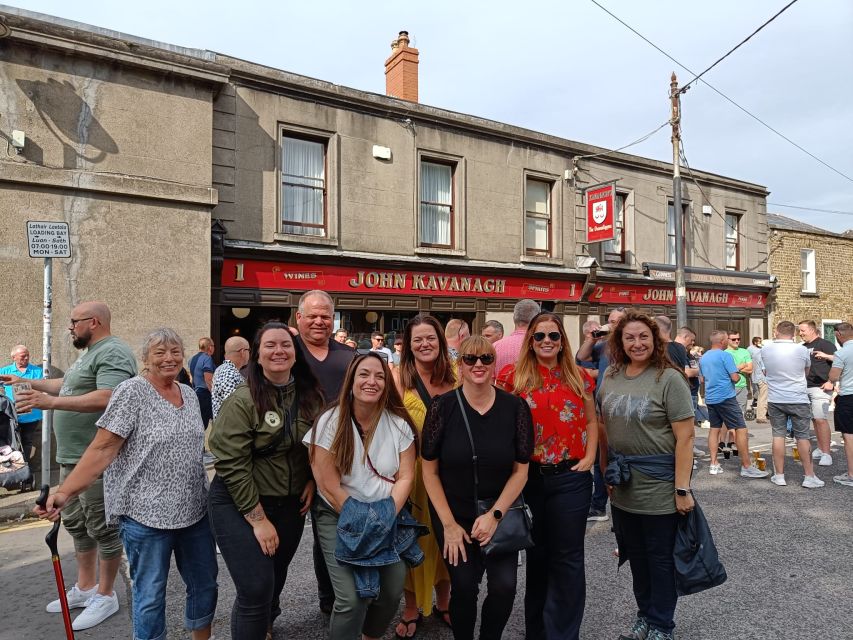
point(471, 359)
point(539, 336)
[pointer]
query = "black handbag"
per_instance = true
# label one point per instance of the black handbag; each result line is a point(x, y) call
point(697, 565)
point(514, 530)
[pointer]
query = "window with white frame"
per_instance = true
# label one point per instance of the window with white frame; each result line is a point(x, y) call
point(437, 210)
point(303, 186)
point(807, 267)
point(732, 241)
point(537, 217)
point(614, 250)
point(670, 230)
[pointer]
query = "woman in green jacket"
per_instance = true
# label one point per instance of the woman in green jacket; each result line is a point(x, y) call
point(263, 486)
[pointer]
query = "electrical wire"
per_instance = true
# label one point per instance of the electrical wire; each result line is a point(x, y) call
point(630, 144)
point(737, 46)
point(792, 206)
point(724, 96)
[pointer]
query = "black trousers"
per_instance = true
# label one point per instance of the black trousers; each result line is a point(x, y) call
point(258, 578)
point(647, 542)
point(30, 433)
point(501, 577)
point(556, 580)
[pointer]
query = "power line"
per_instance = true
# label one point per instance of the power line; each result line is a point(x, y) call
point(630, 144)
point(724, 96)
point(737, 46)
point(792, 206)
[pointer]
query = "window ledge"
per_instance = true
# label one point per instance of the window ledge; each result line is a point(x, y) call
point(541, 260)
point(809, 294)
point(618, 266)
point(439, 251)
point(298, 238)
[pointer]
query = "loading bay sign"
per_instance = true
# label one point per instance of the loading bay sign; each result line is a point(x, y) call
point(48, 239)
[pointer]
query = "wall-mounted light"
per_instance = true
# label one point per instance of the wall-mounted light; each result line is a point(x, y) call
point(371, 317)
point(707, 210)
point(381, 153)
point(241, 312)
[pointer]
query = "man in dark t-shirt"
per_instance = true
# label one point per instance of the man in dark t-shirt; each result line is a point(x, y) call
point(819, 388)
point(328, 361)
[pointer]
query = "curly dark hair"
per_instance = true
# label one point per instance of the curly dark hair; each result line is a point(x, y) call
point(619, 359)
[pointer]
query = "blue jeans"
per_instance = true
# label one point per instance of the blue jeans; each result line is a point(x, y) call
point(647, 542)
point(556, 578)
point(700, 413)
point(149, 552)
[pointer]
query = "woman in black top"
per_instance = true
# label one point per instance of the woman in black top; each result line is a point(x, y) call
point(503, 436)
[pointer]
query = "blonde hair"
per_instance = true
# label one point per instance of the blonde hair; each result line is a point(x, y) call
point(527, 376)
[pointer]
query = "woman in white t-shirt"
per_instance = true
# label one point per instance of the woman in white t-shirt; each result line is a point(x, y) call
point(363, 448)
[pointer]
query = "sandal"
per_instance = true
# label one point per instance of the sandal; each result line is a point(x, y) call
point(443, 616)
point(415, 621)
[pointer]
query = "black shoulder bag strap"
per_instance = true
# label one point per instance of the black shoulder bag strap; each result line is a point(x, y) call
point(422, 391)
point(474, 458)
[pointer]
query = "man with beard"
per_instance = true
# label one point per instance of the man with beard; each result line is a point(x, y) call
point(78, 400)
point(328, 360)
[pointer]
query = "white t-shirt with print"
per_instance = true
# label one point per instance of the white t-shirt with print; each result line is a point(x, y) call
point(391, 438)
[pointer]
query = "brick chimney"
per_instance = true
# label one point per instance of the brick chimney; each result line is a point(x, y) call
point(401, 70)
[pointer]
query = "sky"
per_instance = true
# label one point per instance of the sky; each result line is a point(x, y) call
point(569, 69)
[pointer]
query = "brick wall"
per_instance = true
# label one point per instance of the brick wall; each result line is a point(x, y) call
point(833, 264)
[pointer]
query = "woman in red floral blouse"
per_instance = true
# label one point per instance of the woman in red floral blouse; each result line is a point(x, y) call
point(559, 485)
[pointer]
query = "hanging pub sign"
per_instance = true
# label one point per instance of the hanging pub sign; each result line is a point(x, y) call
point(600, 214)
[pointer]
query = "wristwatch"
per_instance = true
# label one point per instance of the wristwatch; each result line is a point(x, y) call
point(498, 514)
point(683, 492)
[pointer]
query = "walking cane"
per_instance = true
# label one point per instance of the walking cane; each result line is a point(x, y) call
point(50, 539)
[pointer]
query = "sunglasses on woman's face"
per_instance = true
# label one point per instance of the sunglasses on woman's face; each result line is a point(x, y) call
point(539, 336)
point(470, 359)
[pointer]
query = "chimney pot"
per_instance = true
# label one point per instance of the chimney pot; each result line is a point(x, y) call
point(401, 69)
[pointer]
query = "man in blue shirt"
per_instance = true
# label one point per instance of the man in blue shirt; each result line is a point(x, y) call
point(29, 424)
point(720, 372)
point(201, 370)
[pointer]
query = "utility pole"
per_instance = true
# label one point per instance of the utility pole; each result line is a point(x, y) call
point(678, 212)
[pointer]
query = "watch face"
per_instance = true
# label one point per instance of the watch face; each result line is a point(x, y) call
point(498, 514)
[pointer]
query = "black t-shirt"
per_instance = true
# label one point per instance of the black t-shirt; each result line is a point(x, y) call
point(677, 353)
point(819, 369)
point(331, 371)
point(503, 436)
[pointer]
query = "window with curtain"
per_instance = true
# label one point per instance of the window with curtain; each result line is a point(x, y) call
point(436, 223)
point(537, 218)
point(303, 186)
point(732, 241)
point(807, 267)
point(614, 250)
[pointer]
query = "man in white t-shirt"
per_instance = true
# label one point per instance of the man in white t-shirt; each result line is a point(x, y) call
point(786, 366)
point(841, 374)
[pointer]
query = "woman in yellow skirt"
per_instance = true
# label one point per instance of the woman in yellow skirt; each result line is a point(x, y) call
point(425, 372)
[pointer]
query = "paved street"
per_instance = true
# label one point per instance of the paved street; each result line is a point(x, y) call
point(782, 547)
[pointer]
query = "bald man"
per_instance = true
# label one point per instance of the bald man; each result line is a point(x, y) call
point(227, 376)
point(78, 400)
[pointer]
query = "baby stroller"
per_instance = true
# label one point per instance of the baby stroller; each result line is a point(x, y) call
point(14, 469)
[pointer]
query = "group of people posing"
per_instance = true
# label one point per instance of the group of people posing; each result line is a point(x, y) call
point(394, 463)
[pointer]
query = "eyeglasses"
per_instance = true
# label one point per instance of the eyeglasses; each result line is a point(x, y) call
point(74, 322)
point(471, 359)
point(539, 336)
point(734, 339)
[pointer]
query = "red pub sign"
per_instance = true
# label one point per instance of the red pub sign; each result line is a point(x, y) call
point(304, 277)
point(646, 295)
point(600, 203)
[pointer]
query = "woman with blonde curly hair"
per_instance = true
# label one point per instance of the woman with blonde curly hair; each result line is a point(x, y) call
point(559, 485)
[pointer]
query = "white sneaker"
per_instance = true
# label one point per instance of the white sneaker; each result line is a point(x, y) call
point(705, 424)
point(698, 452)
point(753, 472)
point(715, 469)
point(816, 453)
point(98, 608)
point(778, 479)
point(76, 597)
point(825, 460)
point(813, 482)
point(845, 478)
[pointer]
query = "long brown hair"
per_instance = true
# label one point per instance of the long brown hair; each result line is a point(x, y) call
point(263, 391)
point(527, 376)
point(619, 359)
point(343, 444)
point(442, 372)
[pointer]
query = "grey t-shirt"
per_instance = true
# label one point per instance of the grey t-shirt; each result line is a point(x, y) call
point(638, 413)
point(844, 361)
point(158, 476)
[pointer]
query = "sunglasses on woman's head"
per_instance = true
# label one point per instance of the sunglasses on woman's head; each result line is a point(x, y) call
point(539, 336)
point(471, 359)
